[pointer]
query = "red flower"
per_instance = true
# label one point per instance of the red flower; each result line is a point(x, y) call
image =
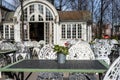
point(66, 44)
point(106, 37)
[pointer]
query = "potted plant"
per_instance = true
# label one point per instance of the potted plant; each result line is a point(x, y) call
point(61, 51)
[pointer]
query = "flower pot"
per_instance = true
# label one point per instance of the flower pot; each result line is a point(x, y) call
point(61, 58)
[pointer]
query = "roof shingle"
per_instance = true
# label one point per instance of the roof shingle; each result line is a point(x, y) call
point(74, 15)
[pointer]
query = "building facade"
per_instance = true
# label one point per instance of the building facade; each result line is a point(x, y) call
point(43, 22)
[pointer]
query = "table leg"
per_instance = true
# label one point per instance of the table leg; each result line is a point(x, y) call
point(20, 76)
point(100, 76)
point(28, 76)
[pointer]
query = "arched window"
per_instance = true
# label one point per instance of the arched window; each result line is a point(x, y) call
point(38, 12)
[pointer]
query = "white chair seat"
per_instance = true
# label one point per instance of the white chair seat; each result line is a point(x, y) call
point(22, 55)
point(35, 51)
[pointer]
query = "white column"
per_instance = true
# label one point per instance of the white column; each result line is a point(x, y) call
point(17, 32)
point(57, 33)
point(89, 33)
point(84, 34)
point(3, 31)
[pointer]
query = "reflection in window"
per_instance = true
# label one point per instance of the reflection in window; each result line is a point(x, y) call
point(31, 9)
point(49, 15)
point(68, 31)
point(63, 31)
point(79, 31)
point(40, 8)
point(74, 31)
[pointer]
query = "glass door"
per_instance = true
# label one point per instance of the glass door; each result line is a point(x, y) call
point(48, 31)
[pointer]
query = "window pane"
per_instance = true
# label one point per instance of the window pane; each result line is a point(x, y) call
point(32, 18)
point(52, 32)
point(79, 31)
point(40, 18)
point(11, 32)
point(74, 31)
point(1, 31)
point(31, 9)
point(49, 15)
point(40, 8)
point(63, 31)
point(47, 28)
point(6, 32)
point(25, 31)
point(25, 14)
point(68, 31)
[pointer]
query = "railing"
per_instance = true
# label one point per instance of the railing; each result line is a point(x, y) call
point(7, 5)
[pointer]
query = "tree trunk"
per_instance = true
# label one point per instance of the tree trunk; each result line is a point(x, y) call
point(22, 19)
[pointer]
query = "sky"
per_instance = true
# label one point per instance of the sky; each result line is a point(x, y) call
point(10, 1)
point(13, 2)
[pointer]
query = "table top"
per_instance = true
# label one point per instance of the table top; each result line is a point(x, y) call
point(86, 66)
point(7, 51)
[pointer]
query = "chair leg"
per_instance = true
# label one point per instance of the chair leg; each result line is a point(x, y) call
point(0, 75)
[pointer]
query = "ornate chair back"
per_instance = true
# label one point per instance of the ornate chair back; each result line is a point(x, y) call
point(102, 48)
point(47, 52)
point(80, 50)
point(113, 72)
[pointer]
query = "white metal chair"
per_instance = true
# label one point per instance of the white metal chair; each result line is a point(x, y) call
point(22, 52)
point(8, 46)
point(36, 48)
point(113, 72)
point(2, 62)
point(48, 53)
point(80, 51)
point(35, 51)
point(102, 49)
point(41, 42)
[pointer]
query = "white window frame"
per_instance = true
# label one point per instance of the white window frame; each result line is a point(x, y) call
point(10, 34)
point(41, 13)
point(71, 25)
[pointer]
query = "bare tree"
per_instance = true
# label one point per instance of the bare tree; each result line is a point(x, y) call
point(62, 5)
point(22, 18)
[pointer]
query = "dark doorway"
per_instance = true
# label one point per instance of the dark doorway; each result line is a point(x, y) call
point(37, 31)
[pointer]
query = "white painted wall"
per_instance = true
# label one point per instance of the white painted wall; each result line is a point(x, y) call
point(17, 32)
